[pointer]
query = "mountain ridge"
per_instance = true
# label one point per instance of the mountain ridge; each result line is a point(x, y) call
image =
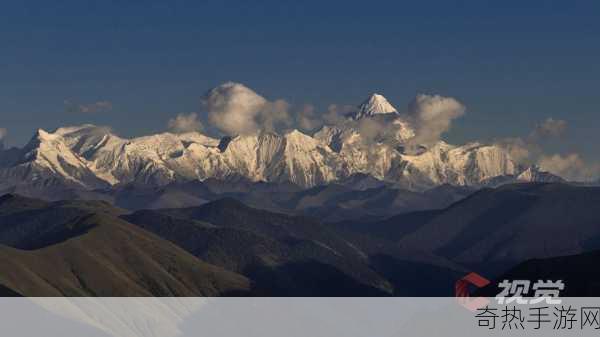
point(93, 157)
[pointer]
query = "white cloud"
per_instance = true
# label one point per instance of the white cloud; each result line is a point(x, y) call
point(530, 151)
point(185, 123)
point(570, 166)
point(519, 149)
point(95, 107)
point(236, 109)
point(431, 116)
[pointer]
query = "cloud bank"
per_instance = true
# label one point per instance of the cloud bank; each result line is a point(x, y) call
point(571, 167)
point(530, 151)
point(235, 109)
point(431, 116)
point(183, 123)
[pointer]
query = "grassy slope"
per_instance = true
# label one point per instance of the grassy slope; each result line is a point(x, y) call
point(113, 258)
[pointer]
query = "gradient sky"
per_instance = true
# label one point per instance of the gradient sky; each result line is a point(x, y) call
point(512, 63)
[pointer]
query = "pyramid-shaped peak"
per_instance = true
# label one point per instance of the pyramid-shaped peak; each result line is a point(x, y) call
point(376, 104)
point(376, 97)
point(536, 174)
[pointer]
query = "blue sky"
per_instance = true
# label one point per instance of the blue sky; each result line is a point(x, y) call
point(512, 63)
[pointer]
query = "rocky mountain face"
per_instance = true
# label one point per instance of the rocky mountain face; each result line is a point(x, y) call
point(92, 157)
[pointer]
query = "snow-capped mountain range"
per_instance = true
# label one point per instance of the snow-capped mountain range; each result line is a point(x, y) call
point(93, 157)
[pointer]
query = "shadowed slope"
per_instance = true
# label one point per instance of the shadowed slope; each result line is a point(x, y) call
point(111, 258)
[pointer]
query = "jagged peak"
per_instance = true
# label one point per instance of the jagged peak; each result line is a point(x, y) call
point(61, 134)
point(39, 137)
point(532, 171)
point(376, 104)
point(83, 154)
point(97, 133)
point(535, 174)
point(298, 139)
point(297, 134)
point(42, 134)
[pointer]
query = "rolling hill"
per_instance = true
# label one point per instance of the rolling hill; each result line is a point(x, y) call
point(91, 252)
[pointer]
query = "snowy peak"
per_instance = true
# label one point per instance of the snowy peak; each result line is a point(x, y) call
point(300, 140)
point(534, 174)
point(44, 144)
point(46, 158)
point(374, 105)
point(94, 157)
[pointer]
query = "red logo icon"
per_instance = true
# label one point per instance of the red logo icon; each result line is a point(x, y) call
point(463, 295)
